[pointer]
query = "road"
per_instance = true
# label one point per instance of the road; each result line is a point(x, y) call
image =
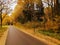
point(16, 37)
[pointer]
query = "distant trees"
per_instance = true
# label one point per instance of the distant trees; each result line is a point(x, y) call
point(27, 15)
point(35, 11)
point(21, 19)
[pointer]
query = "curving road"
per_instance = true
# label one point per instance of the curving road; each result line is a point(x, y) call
point(16, 37)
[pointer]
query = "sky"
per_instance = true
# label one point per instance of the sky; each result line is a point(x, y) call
point(12, 6)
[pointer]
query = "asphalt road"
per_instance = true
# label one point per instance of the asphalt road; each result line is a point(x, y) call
point(16, 37)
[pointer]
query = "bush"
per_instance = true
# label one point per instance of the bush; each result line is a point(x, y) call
point(50, 33)
point(21, 19)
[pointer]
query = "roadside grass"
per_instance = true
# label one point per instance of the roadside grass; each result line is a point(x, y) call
point(2, 30)
point(50, 33)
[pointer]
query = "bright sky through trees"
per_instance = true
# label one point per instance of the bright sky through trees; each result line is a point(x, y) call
point(45, 3)
point(12, 5)
point(8, 6)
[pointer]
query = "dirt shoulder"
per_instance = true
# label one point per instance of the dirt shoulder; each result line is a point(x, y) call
point(3, 38)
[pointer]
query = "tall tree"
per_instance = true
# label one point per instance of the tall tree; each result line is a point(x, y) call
point(57, 6)
point(3, 9)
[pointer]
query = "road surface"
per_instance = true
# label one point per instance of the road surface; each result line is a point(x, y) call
point(16, 37)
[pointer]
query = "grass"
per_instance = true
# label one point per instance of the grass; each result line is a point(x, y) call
point(50, 33)
point(2, 30)
point(40, 33)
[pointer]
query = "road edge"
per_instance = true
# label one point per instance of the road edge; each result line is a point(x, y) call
point(43, 40)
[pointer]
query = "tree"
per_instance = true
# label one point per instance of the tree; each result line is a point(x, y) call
point(57, 6)
point(1, 8)
point(4, 9)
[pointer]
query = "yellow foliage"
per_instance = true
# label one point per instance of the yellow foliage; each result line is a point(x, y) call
point(18, 9)
point(6, 19)
point(48, 10)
